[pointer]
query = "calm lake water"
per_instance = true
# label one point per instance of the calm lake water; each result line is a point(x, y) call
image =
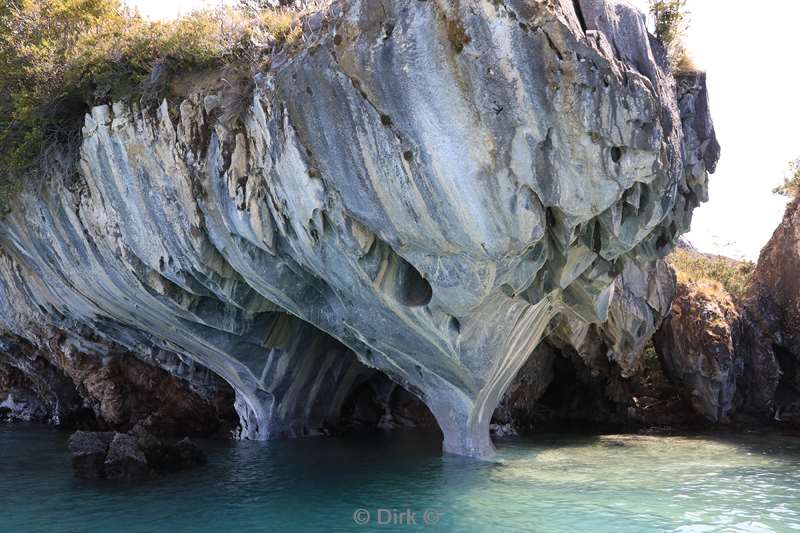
point(743, 482)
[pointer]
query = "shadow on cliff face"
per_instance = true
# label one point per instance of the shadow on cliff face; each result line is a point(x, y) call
point(787, 395)
point(117, 391)
point(380, 404)
point(566, 398)
point(560, 390)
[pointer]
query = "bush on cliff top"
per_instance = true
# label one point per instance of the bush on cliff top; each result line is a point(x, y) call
point(60, 57)
point(734, 276)
point(791, 183)
point(671, 21)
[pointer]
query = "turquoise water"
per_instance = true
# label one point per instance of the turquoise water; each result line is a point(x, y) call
point(551, 483)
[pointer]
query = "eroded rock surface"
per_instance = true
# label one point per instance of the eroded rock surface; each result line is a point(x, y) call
point(697, 347)
point(82, 381)
point(130, 456)
point(772, 344)
point(423, 188)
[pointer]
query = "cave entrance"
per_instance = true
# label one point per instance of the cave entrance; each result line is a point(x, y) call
point(787, 395)
point(556, 392)
point(573, 401)
point(379, 404)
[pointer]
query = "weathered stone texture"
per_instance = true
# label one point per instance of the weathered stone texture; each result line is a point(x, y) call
point(435, 185)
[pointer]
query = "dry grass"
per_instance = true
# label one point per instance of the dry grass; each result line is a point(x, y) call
point(684, 64)
point(713, 273)
point(281, 24)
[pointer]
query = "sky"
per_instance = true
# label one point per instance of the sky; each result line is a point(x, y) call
point(748, 51)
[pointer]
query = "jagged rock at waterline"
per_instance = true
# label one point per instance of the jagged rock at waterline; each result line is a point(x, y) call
point(130, 456)
point(428, 189)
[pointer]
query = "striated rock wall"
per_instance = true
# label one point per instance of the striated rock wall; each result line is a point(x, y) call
point(424, 188)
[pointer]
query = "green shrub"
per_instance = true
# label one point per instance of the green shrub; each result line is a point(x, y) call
point(60, 57)
point(671, 20)
point(734, 276)
point(791, 183)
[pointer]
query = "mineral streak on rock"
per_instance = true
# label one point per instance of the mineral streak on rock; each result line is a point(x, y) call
point(437, 198)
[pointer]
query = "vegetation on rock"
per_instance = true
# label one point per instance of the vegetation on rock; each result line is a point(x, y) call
point(713, 272)
point(60, 57)
point(791, 183)
point(671, 20)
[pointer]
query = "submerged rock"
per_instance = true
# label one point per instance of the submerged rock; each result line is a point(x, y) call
point(89, 450)
point(125, 459)
point(431, 202)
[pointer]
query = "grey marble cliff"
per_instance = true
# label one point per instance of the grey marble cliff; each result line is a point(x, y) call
point(428, 189)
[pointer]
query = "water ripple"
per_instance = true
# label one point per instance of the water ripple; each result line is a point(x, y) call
point(551, 483)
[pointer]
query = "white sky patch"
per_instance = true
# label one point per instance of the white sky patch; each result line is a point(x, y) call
point(748, 52)
point(753, 80)
point(169, 9)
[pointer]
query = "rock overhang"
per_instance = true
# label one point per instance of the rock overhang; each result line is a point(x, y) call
point(437, 185)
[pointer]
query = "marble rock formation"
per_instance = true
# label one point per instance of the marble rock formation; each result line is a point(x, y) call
point(423, 188)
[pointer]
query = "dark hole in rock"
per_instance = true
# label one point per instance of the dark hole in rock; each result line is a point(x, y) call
point(337, 40)
point(408, 156)
point(455, 326)
point(386, 120)
point(597, 238)
point(555, 392)
point(788, 364)
point(381, 404)
point(568, 402)
point(396, 277)
point(411, 288)
point(662, 241)
point(616, 154)
point(787, 395)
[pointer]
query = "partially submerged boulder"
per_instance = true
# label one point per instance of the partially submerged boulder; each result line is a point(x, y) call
point(89, 450)
point(125, 459)
point(130, 457)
